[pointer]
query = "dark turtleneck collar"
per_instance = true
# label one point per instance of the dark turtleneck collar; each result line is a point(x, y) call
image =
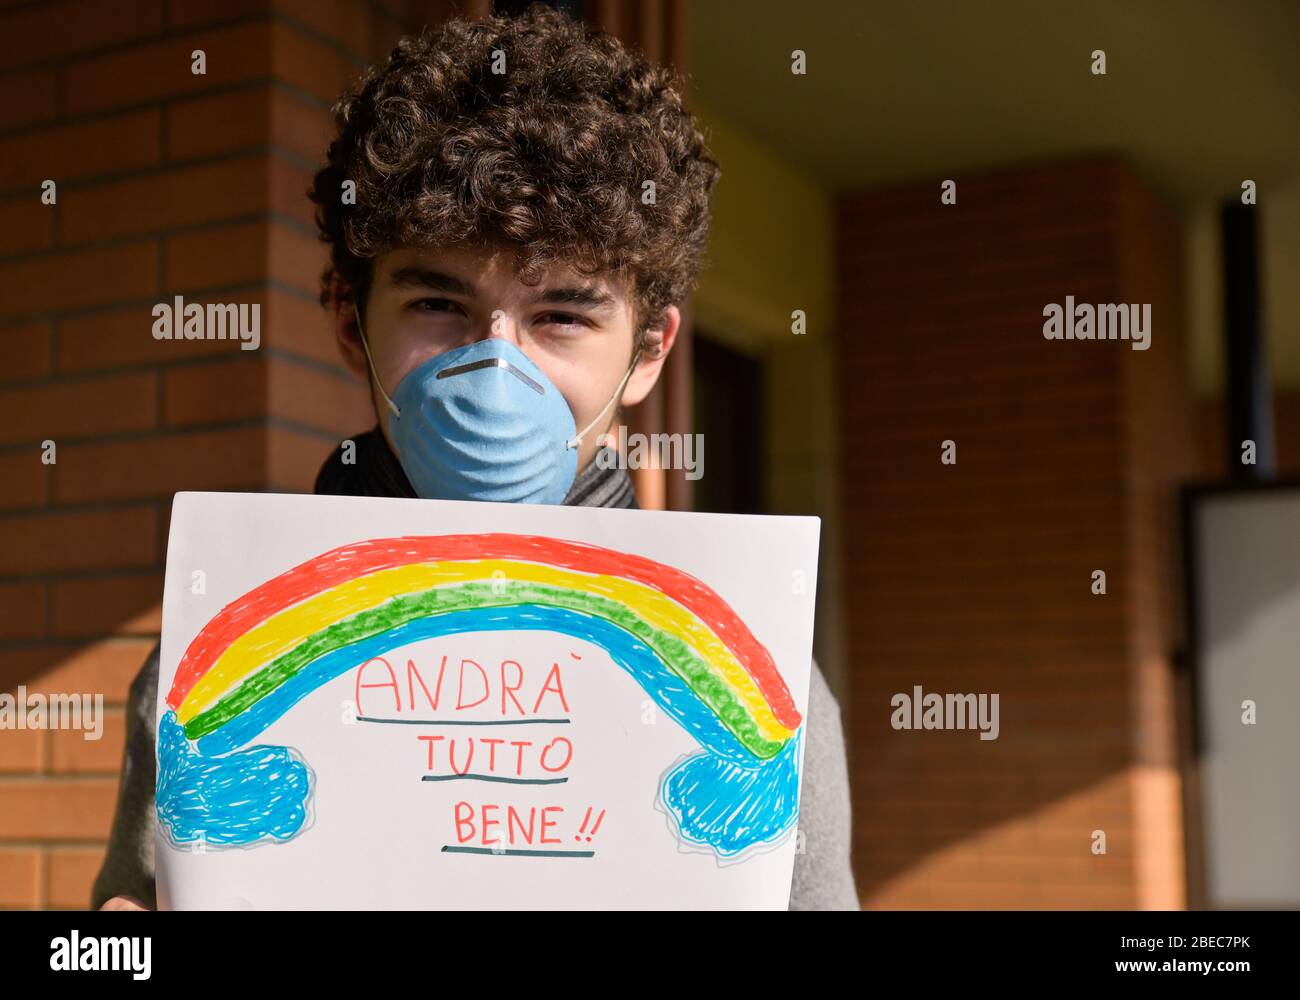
point(376, 472)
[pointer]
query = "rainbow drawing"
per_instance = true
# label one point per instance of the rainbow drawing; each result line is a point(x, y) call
point(272, 647)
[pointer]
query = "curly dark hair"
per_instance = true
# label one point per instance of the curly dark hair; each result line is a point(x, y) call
point(547, 160)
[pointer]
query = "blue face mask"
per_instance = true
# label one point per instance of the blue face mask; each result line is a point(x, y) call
point(482, 422)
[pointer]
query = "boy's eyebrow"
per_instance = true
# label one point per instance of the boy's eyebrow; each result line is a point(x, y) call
point(575, 296)
point(438, 281)
point(434, 280)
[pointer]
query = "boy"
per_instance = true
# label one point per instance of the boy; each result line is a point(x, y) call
point(503, 282)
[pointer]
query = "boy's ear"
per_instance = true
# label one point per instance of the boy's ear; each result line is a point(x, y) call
point(346, 333)
point(661, 337)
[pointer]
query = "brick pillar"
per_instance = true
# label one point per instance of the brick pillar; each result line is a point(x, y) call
point(168, 183)
point(976, 577)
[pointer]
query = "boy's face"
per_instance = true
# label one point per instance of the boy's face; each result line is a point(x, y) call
point(578, 330)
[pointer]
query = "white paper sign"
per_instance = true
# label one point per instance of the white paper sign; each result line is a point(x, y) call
point(417, 704)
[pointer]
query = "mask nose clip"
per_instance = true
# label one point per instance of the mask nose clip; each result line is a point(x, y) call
point(502, 363)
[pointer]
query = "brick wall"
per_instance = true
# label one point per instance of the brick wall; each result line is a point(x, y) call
point(168, 184)
point(976, 577)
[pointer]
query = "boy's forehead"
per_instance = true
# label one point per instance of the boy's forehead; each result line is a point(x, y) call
point(486, 270)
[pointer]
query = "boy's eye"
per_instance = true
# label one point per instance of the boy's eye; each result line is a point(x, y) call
point(435, 305)
point(561, 319)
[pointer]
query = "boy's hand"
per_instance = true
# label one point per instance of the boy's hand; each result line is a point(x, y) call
point(124, 903)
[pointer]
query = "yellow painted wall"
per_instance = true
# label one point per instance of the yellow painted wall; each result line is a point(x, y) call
point(772, 252)
point(771, 248)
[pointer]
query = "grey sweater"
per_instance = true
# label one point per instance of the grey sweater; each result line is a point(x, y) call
point(823, 878)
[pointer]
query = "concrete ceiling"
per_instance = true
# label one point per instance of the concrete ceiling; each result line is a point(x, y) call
point(1199, 94)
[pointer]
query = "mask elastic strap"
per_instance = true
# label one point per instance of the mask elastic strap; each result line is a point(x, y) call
point(617, 392)
point(391, 405)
